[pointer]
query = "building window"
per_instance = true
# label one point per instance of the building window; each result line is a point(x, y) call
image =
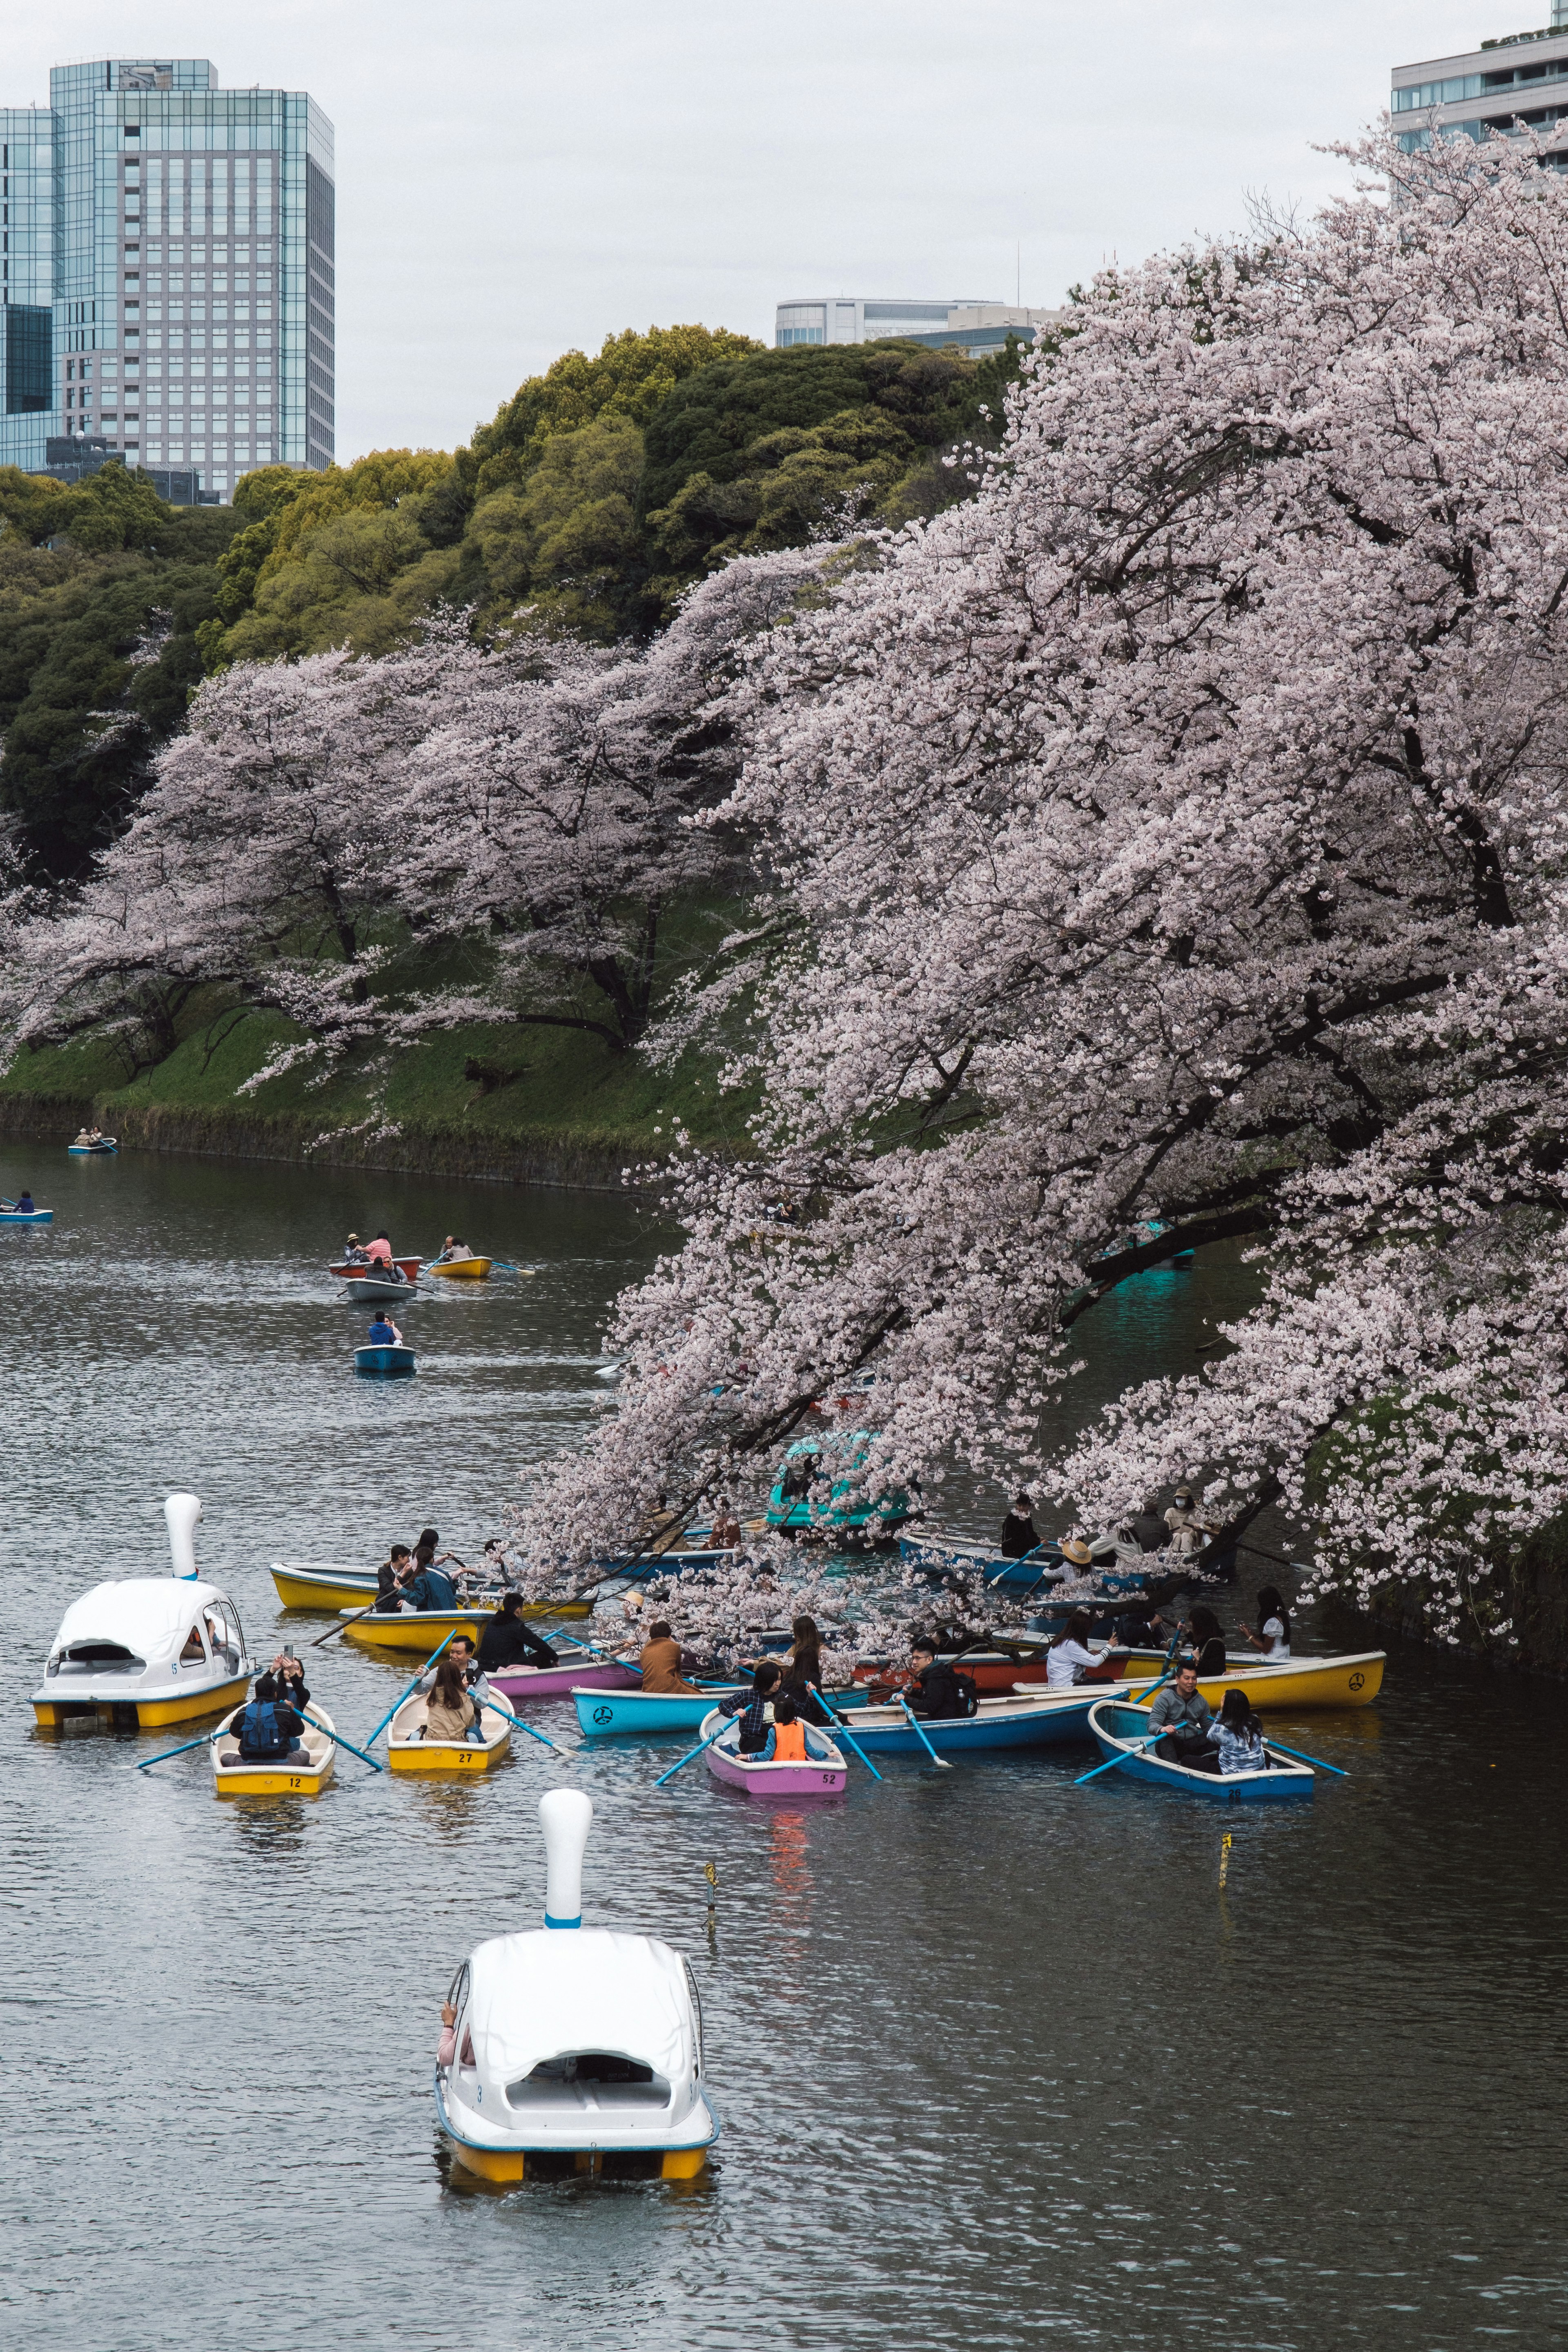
point(788, 335)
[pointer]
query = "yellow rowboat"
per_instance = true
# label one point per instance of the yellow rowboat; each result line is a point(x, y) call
point(327, 1584)
point(408, 1750)
point(232, 1778)
point(463, 1269)
point(1351, 1681)
point(420, 1630)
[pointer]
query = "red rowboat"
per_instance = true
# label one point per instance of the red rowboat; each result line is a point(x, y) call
point(347, 1273)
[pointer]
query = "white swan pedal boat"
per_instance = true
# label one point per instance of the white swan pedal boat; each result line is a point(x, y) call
point(233, 1778)
point(146, 1651)
point(574, 2049)
point(408, 1749)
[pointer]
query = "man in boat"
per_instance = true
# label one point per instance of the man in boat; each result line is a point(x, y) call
point(384, 1333)
point(936, 1691)
point(1147, 1530)
point(391, 1577)
point(270, 1730)
point(25, 1204)
point(1019, 1534)
point(661, 1660)
point(451, 1248)
point(1182, 1713)
point(464, 1656)
point(507, 1641)
point(355, 1254)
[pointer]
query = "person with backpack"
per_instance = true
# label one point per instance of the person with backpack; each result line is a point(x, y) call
point(936, 1691)
point(269, 1730)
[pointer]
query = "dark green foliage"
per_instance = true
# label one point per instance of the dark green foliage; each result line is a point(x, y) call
point(97, 659)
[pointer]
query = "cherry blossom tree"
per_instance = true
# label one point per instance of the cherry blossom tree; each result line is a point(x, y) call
point(1175, 831)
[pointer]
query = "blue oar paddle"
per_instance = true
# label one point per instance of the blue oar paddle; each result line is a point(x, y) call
point(1316, 1761)
point(501, 1710)
point(838, 1726)
point(1126, 1755)
point(148, 1761)
point(702, 1744)
point(397, 1702)
point(342, 1742)
point(940, 1762)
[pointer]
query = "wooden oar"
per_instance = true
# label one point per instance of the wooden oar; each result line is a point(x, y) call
point(940, 1762)
point(702, 1744)
point(838, 1726)
point(337, 1738)
point(397, 1702)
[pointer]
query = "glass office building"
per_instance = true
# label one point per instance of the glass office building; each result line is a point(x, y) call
point(168, 282)
point(1518, 78)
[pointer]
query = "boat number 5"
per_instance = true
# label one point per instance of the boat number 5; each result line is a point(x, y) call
point(1357, 1680)
point(603, 1714)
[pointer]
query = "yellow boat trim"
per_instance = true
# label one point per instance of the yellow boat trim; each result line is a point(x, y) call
point(1305, 1683)
point(463, 1269)
point(422, 1630)
point(150, 1714)
point(239, 1783)
point(408, 1754)
point(297, 1592)
point(499, 2165)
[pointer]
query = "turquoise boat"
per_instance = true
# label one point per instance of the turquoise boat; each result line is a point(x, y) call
point(383, 1363)
point(1119, 1728)
point(846, 1511)
point(32, 1217)
point(105, 1143)
point(605, 1713)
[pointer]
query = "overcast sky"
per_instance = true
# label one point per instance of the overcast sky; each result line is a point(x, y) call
point(514, 181)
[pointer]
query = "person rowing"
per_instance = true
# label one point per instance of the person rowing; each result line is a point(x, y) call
point(1180, 1718)
point(451, 1248)
point(507, 1641)
point(355, 1254)
point(22, 1206)
point(661, 1660)
point(755, 1708)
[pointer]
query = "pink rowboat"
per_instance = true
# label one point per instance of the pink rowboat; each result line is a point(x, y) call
point(822, 1774)
point(559, 1682)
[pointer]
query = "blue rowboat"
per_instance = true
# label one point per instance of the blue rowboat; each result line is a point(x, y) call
point(1119, 1727)
point(36, 1217)
point(1034, 1718)
point(603, 1712)
point(612, 1713)
point(107, 1143)
point(383, 1363)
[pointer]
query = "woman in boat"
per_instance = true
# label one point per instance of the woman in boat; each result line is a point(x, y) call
point(380, 1250)
point(661, 1661)
point(1019, 1534)
point(1206, 1641)
point(451, 1713)
point(755, 1708)
point(1069, 1660)
point(451, 1248)
point(507, 1641)
point(1273, 1635)
point(1237, 1736)
point(724, 1535)
point(803, 1669)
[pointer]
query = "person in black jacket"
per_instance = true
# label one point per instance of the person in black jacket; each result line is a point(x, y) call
point(1018, 1531)
point(934, 1692)
point(508, 1641)
point(269, 1729)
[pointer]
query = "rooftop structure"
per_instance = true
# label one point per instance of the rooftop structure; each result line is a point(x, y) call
point(1517, 78)
point(978, 328)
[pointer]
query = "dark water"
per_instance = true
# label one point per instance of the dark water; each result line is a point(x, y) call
point(1001, 2061)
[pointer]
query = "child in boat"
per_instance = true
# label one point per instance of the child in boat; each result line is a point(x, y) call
point(1273, 1635)
point(755, 1708)
point(1239, 1736)
point(785, 1742)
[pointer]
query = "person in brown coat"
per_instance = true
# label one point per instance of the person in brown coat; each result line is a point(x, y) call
point(660, 1663)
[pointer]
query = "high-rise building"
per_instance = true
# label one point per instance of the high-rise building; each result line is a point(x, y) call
point(1518, 78)
point(167, 285)
point(978, 328)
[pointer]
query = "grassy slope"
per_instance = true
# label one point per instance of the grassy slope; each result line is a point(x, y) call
point(574, 1102)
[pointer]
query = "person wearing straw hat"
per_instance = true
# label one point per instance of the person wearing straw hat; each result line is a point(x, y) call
point(1075, 1550)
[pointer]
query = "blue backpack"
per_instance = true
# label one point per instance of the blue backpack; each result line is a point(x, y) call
point(259, 1734)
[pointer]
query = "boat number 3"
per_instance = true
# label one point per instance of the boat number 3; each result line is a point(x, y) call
point(603, 1714)
point(1357, 1680)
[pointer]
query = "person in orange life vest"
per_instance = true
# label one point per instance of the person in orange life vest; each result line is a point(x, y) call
point(785, 1741)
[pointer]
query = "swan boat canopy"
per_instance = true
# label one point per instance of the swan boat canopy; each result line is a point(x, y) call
point(574, 2049)
point(148, 1650)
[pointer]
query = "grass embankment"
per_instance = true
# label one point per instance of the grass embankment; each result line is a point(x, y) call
point(540, 1106)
